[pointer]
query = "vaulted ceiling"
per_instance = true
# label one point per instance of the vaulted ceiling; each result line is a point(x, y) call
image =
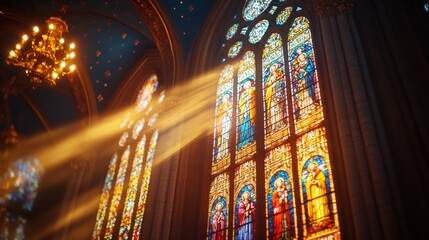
point(112, 37)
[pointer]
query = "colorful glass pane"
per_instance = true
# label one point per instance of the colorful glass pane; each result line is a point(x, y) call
point(104, 199)
point(218, 208)
point(274, 82)
point(305, 88)
point(245, 201)
point(117, 194)
point(283, 16)
point(244, 30)
point(123, 139)
point(145, 186)
point(319, 208)
point(253, 8)
point(152, 120)
point(161, 97)
point(273, 10)
point(258, 31)
point(279, 189)
point(138, 127)
point(235, 49)
point(246, 111)
point(145, 94)
point(232, 31)
point(223, 120)
point(132, 189)
point(125, 121)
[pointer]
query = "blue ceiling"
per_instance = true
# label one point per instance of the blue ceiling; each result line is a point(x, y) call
point(110, 37)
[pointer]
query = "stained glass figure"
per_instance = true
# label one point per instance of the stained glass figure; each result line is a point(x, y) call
point(246, 111)
point(232, 31)
point(305, 88)
point(245, 201)
point(145, 95)
point(274, 82)
point(138, 127)
point(258, 31)
point(132, 189)
point(123, 139)
point(223, 121)
point(235, 49)
point(281, 220)
point(104, 199)
point(316, 185)
point(253, 8)
point(117, 194)
point(145, 186)
point(218, 209)
point(283, 16)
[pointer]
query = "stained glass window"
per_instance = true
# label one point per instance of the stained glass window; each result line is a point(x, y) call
point(258, 31)
point(132, 190)
point(283, 16)
point(235, 49)
point(127, 184)
point(145, 186)
point(223, 122)
point(231, 32)
point(218, 208)
point(246, 110)
point(280, 133)
point(304, 80)
point(105, 195)
point(274, 82)
point(253, 8)
point(245, 201)
point(117, 194)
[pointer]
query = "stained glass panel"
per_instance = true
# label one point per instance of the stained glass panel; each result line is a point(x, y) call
point(246, 111)
point(245, 201)
point(223, 120)
point(244, 30)
point(305, 88)
point(231, 32)
point(235, 49)
point(138, 127)
point(279, 189)
point(145, 186)
point(274, 82)
point(258, 31)
point(273, 10)
point(104, 199)
point(283, 16)
point(145, 94)
point(152, 120)
point(218, 208)
point(161, 97)
point(316, 186)
point(253, 8)
point(117, 194)
point(123, 139)
point(132, 189)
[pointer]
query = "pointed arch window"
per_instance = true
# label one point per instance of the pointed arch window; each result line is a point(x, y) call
point(123, 199)
point(269, 97)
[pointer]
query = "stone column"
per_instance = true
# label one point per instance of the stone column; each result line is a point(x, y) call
point(361, 137)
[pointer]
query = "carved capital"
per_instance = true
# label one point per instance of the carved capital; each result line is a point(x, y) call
point(334, 7)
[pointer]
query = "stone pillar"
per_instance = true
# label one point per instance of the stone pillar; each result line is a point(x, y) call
point(364, 154)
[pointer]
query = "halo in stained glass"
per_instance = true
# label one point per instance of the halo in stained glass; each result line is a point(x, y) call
point(253, 8)
point(283, 16)
point(258, 31)
point(138, 128)
point(123, 139)
point(232, 31)
point(235, 49)
point(145, 94)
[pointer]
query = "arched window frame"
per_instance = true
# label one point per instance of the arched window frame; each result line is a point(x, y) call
point(259, 155)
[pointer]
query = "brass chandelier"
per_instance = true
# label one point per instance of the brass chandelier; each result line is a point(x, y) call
point(44, 56)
